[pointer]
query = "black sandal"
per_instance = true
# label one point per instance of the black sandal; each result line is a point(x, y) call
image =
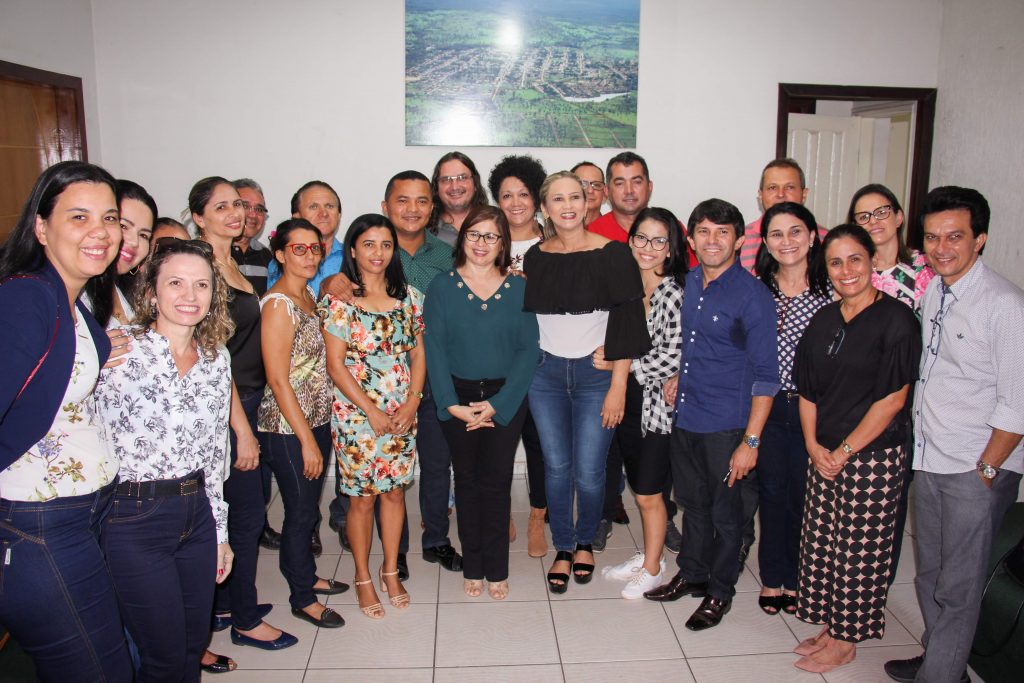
point(770, 604)
point(555, 577)
point(587, 569)
point(222, 665)
point(788, 603)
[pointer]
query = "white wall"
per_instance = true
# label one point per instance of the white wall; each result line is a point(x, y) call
point(285, 92)
point(55, 35)
point(978, 141)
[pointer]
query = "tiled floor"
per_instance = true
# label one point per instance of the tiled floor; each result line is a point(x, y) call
point(589, 634)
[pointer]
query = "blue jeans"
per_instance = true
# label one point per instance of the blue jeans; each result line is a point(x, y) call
point(56, 596)
point(243, 492)
point(566, 397)
point(163, 559)
point(435, 472)
point(300, 497)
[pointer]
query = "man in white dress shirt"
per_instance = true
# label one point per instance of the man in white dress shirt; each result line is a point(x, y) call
point(968, 421)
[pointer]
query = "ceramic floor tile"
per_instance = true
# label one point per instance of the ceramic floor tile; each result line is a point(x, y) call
point(613, 630)
point(902, 603)
point(544, 673)
point(495, 633)
point(525, 580)
point(294, 657)
point(675, 670)
point(407, 637)
point(749, 669)
point(382, 675)
point(868, 666)
point(744, 630)
point(245, 676)
point(895, 633)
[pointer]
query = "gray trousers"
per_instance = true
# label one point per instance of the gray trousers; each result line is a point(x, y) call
point(956, 517)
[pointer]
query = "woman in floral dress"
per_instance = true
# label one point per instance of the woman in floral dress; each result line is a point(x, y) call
point(375, 357)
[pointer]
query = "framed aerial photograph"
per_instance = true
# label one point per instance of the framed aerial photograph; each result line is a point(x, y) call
point(521, 73)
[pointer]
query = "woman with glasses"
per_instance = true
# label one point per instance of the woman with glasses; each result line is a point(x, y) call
point(481, 353)
point(166, 412)
point(57, 474)
point(643, 436)
point(375, 358)
point(899, 271)
point(220, 217)
point(789, 263)
point(515, 185)
point(853, 368)
point(295, 415)
point(586, 292)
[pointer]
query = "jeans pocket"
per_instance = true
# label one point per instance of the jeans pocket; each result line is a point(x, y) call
point(541, 357)
point(127, 510)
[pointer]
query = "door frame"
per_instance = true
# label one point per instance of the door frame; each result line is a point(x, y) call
point(28, 74)
point(801, 97)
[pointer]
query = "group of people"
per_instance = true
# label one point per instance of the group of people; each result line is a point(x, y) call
point(158, 380)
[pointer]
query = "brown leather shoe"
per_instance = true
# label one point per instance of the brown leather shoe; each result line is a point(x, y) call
point(709, 613)
point(677, 588)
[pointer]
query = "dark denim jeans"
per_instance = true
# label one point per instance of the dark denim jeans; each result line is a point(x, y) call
point(565, 400)
point(782, 475)
point(534, 463)
point(56, 596)
point(243, 492)
point(300, 497)
point(435, 472)
point(163, 558)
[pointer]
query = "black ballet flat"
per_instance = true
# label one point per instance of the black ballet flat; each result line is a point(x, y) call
point(587, 569)
point(555, 577)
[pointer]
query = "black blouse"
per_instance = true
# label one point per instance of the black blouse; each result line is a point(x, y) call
point(605, 279)
point(844, 367)
point(244, 345)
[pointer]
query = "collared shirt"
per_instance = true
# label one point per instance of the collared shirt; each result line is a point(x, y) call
point(253, 264)
point(662, 361)
point(328, 267)
point(729, 350)
point(162, 426)
point(433, 257)
point(972, 371)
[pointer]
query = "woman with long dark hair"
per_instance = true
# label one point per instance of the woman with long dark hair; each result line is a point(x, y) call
point(57, 474)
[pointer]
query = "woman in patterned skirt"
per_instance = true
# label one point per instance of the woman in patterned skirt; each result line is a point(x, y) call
point(853, 368)
point(789, 263)
point(375, 357)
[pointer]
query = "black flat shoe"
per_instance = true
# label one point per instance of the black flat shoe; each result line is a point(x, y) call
point(403, 567)
point(281, 642)
point(709, 614)
point(586, 568)
point(333, 588)
point(677, 588)
point(315, 544)
point(270, 539)
point(787, 603)
point(222, 665)
point(770, 604)
point(328, 618)
point(555, 577)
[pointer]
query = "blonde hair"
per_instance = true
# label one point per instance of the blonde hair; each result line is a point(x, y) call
point(545, 187)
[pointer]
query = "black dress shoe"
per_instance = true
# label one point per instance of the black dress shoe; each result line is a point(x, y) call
point(709, 613)
point(905, 670)
point(677, 588)
point(222, 621)
point(270, 539)
point(316, 545)
point(403, 567)
point(444, 555)
point(333, 588)
point(328, 618)
point(620, 513)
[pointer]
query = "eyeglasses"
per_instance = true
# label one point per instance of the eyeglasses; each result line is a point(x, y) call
point(837, 341)
point(315, 248)
point(255, 208)
point(640, 241)
point(489, 237)
point(176, 245)
point(449, 179)
point(589, 185)
point(880, 214)
point(936, 332)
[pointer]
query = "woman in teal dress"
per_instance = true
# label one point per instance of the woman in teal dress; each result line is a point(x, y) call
point(375, 357)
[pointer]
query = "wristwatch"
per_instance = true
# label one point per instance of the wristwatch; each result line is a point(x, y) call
point(847, 448)
point(987, 471)
point(752, 440)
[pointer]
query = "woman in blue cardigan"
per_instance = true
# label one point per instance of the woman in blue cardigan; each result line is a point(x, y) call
point(56, 473)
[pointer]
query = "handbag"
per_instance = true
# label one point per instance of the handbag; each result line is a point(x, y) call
point(1011, 564)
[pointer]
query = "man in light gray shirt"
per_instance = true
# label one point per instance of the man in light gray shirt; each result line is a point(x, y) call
point(968, 421)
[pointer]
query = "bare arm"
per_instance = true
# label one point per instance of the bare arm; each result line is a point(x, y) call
point(338, 286)
point(406, 413)
point(744, 458)
point(874, 422)
point(614, 406)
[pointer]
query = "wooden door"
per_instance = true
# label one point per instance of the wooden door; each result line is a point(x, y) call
point(41, 123)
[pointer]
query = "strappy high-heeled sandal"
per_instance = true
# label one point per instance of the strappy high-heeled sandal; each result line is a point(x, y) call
point(586, 568)
point(374, 611)
point(554, 577)
point(398, 601)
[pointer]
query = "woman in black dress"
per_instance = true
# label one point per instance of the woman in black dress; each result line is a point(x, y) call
point(853, 368)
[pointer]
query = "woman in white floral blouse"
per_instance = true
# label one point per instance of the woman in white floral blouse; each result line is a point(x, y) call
point(166, 413)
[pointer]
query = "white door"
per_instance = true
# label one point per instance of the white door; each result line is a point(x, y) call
point(835, 153)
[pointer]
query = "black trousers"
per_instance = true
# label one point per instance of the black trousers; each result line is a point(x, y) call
point(534, 463)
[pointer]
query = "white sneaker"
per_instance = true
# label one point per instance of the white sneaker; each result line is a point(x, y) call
point(641, 582)
point(625, 570)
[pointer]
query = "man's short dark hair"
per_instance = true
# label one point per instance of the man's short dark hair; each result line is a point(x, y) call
point(719, 212)
point(951, 198)
point(404, 175)
point(312, 184)
point(626, 159)
point(784, 162)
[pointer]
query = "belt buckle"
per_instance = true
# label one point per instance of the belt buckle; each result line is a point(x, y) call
point(189, 487)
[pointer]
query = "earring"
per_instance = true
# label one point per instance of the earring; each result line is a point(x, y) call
point(152, 310)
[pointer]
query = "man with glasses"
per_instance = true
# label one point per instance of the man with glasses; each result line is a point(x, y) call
point(457, 188)
point(592, 178)
point(318, 203)
point(729, 374)
point(247, 251)
point(968, 422)
point(628, 191)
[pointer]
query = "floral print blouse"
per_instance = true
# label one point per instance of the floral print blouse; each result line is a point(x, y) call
point(162, 426)
point(905, 282)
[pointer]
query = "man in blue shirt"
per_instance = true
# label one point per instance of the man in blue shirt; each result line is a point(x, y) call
point(318, 203)
point(723, 394)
